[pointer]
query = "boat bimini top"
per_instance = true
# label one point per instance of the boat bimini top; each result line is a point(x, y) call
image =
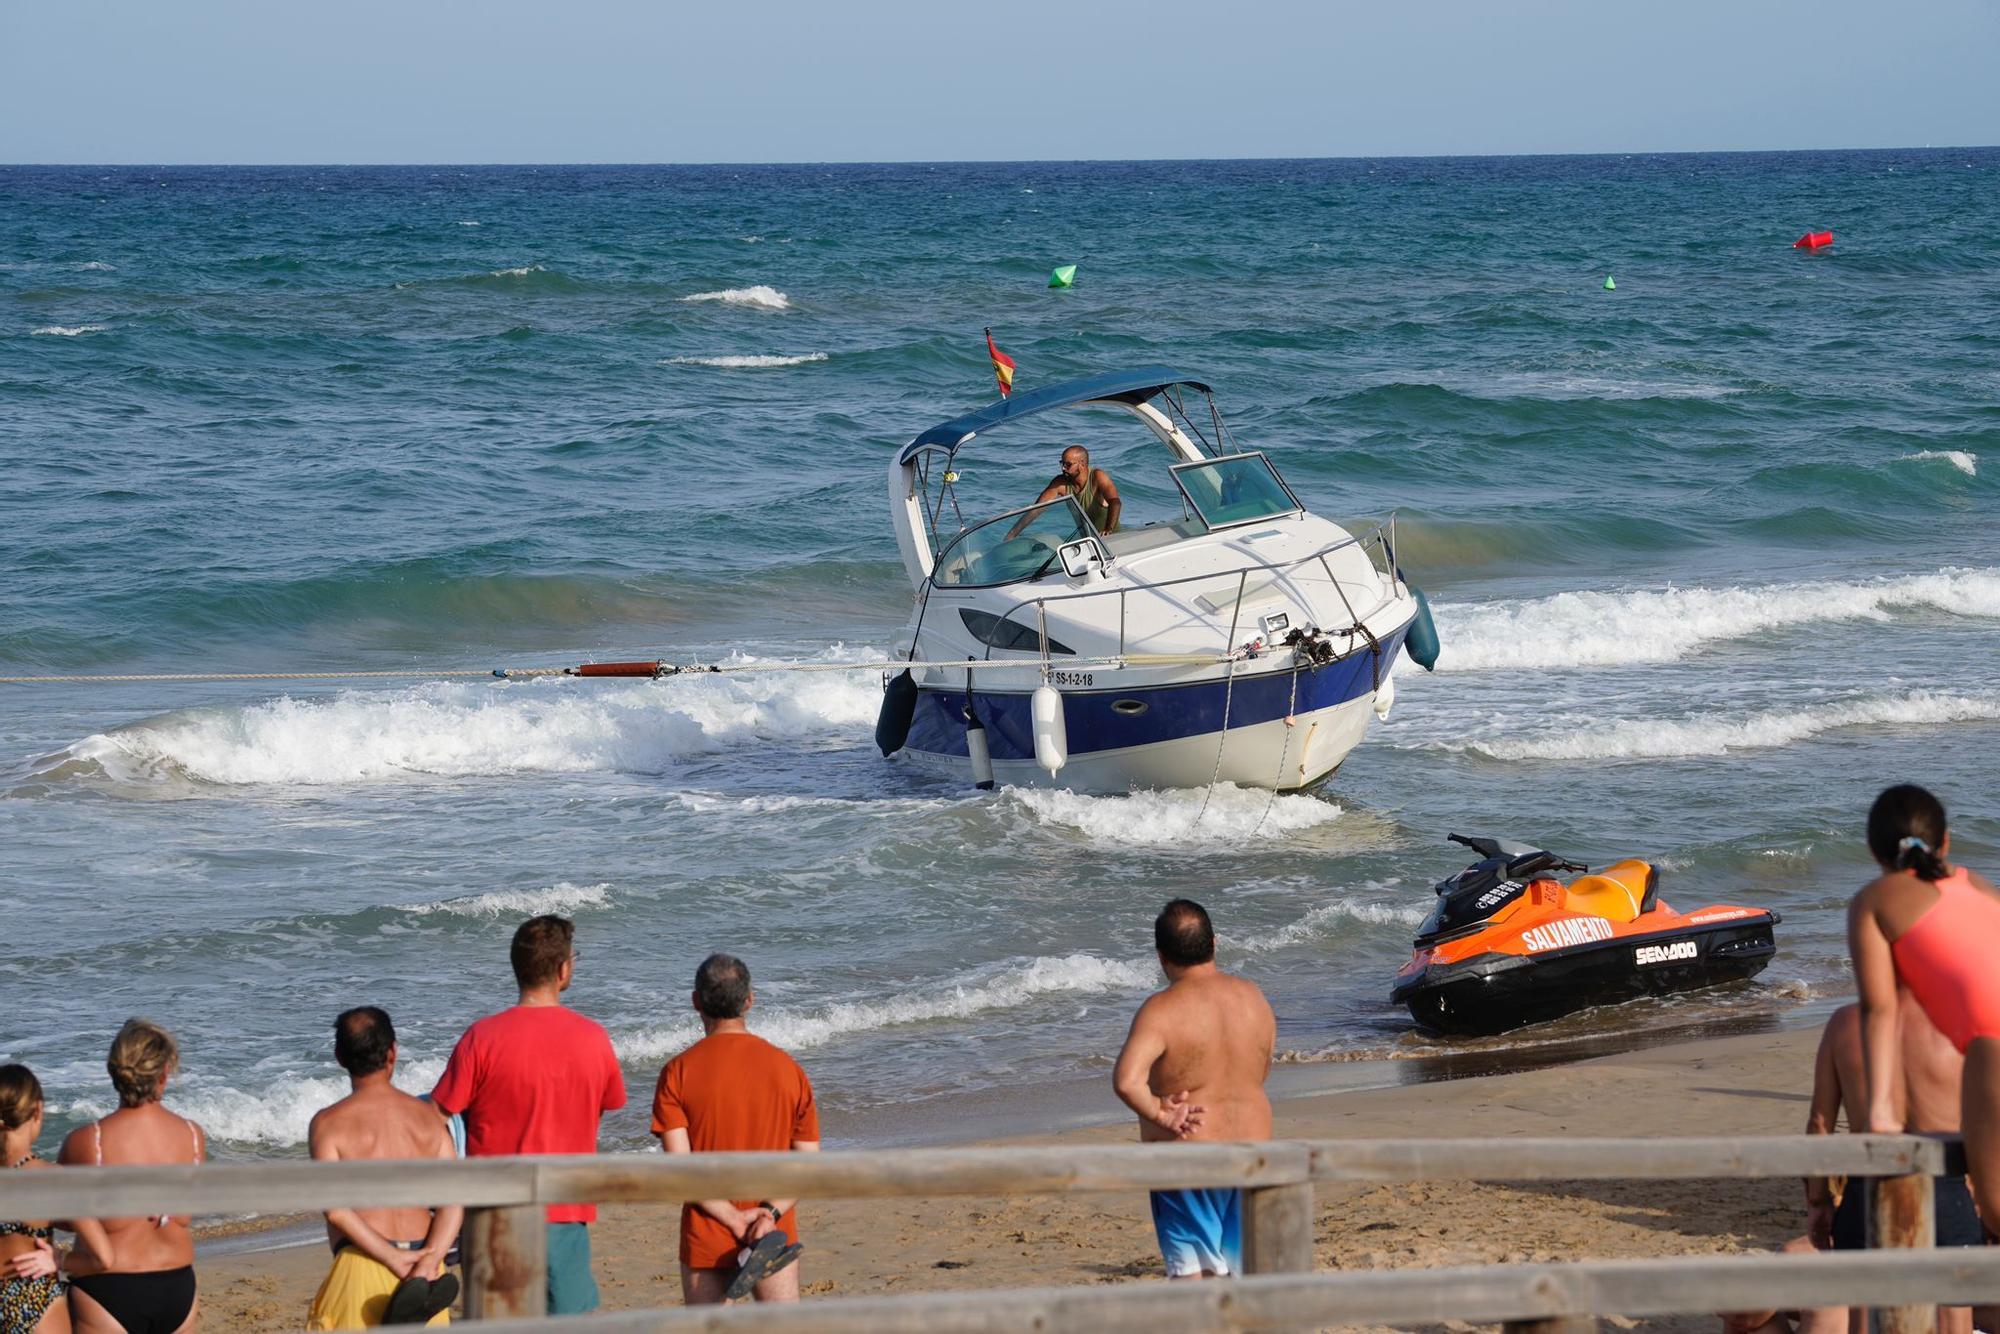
point(921, 477)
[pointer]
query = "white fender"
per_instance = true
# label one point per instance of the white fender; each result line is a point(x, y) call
point(1385, 699)
point(1051, 735)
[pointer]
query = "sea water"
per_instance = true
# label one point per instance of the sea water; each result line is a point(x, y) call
point(1712, 556)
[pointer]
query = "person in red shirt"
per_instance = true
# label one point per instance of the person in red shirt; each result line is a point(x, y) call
point(733, 1091)
point(536, 1078)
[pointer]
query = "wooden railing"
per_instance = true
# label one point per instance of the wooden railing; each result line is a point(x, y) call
point(506, 1262)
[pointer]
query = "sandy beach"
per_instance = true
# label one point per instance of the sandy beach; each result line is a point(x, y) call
point(1749, 1085)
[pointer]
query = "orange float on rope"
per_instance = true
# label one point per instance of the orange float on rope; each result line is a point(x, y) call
point(619, 669)
point(1813, 241)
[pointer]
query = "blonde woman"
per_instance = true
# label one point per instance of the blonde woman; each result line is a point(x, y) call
point(146, 1285)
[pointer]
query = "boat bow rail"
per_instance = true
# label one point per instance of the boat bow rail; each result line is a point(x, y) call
point(1378, 543)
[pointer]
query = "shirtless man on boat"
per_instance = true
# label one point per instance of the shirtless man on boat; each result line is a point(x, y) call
point(1193, 1068)
point(1092, 487)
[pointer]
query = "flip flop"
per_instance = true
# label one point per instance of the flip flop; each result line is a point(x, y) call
point(444, 1291)
point(407, 1302)
point(771, 1254)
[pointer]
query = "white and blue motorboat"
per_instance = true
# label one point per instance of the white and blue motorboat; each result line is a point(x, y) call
point(1246, 641)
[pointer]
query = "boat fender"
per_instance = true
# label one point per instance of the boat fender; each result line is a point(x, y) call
point(1422, 642)
point(899, 709)
point(1051, 736)
point(976, 749)
point(1385, 700)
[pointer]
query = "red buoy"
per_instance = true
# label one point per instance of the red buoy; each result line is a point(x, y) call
point(1813, 241)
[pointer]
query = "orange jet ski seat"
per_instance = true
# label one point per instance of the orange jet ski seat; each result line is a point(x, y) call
point(1618, 893)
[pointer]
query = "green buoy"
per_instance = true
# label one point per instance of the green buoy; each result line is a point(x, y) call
point(1609, 286)
point(1062, 275)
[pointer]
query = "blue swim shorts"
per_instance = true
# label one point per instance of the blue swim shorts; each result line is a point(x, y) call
point(1200, 1231)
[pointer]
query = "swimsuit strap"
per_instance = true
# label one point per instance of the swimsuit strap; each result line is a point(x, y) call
point(97, 1142)
point(194, 1135)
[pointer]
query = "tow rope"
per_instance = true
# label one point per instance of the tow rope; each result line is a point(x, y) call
point(655, 670)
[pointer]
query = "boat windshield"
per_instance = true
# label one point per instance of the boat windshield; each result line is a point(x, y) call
point(1242, 488)
point(1013, 547)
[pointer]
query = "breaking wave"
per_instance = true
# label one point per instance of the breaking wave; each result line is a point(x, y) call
point(67, 330)
point(277, 1115)
point(1717, 734)
point(746, 362)
point(1004, 988)
point(1964, 460)
point(458, 731)
point(561, 897)
point(1594, 629)
point(760, 297)
point(1168, 818)
point(1331, 917)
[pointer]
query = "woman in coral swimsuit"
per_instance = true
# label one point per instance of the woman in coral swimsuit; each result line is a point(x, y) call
point(1936, 927)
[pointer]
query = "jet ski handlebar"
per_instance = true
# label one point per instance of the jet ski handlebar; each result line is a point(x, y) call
point(1520, 858)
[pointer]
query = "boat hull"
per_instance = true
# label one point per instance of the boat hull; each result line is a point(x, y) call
point(1495, 992)
point(1130, 736)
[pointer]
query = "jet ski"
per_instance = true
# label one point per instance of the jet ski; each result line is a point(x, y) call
point(1508, 943)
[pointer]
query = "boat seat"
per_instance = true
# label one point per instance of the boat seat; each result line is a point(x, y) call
point(1618, 893)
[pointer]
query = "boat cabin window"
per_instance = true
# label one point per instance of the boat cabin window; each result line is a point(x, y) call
point(1243, 488)
point(1000, 632)
point(1012, 548)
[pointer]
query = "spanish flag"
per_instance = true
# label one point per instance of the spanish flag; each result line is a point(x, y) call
point(1003, 366)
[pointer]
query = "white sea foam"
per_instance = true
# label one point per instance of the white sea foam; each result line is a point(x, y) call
point(1331, 917)
point(1160, 819)
point(552, 725)
point(1964, 460)
point(759, 297)
point(703, 803)
point(68, 330)
point(277, 1114)
point(466, 222)
point(1006, 987)
point(521, 272)
point(746, 362)
point(1598, 629)
point(561, 897)
point(1719, 733)
point(97, 266)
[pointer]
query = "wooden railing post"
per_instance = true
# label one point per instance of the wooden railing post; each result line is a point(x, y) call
point(506, 1255)
point(1278, 1229)
point(1902, 1212)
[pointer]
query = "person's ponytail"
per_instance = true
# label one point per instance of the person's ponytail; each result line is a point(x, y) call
point(1906, 832)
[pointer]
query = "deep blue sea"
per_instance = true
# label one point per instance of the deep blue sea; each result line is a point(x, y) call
point(1713, 556)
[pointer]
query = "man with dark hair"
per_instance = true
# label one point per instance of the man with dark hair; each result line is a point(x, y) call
point(1193, 1068)
point(537, 1078)
point(733, 1091)
point(388, 1264)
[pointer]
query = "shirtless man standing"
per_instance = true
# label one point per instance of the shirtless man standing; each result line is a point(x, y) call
point(375, 1251)
point(1193, 1068)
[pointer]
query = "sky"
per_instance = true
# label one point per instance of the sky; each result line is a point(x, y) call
point(498, 81)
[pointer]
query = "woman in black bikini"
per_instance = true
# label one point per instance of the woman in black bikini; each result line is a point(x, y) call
point(148, 1285)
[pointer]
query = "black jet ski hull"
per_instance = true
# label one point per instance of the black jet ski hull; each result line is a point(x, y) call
point(1493, 993)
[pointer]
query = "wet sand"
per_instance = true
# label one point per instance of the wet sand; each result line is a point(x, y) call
point(1744, 1085)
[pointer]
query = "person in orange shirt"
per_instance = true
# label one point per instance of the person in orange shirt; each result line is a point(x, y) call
point(733, 1091)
